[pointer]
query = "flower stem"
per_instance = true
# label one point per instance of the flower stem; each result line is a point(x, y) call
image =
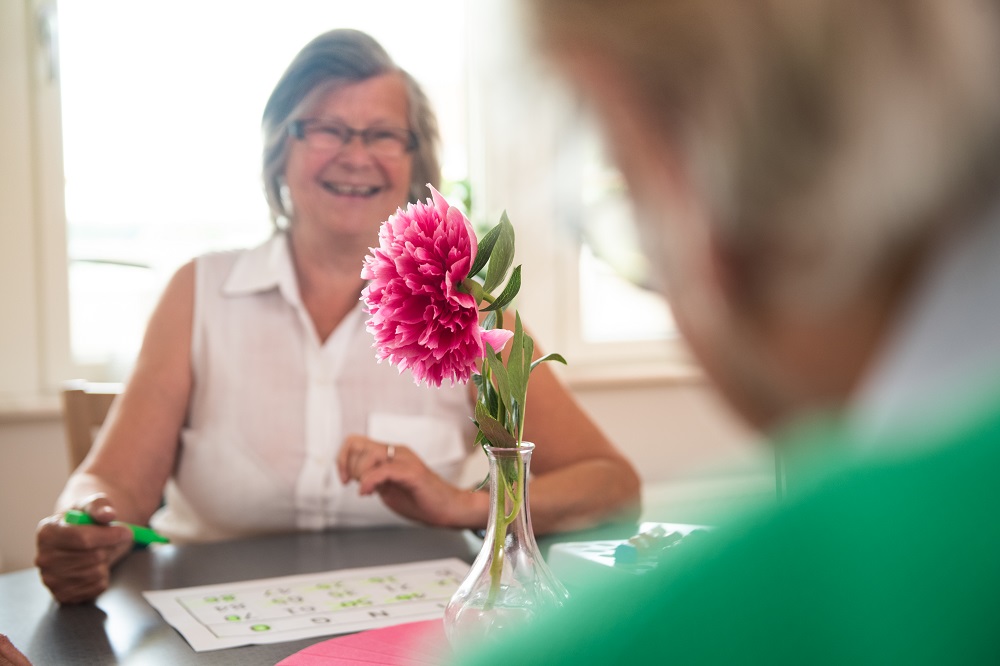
point(505, 488)
point(499, 531)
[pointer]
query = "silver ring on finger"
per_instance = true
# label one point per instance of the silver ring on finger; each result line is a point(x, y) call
point(390, 453)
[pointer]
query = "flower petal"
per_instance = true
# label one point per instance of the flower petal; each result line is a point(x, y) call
point(440, 203)
point(497, 338)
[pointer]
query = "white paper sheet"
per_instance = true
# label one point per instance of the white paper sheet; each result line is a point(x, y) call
point(273, 610)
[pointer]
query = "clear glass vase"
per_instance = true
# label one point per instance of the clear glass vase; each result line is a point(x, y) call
point(509, 583)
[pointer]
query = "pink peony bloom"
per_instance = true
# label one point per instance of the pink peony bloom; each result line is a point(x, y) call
point(419, 318)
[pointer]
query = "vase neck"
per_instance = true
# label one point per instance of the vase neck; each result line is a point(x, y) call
point(509, 473)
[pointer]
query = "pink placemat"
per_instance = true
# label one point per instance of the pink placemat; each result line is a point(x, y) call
point(410, 644)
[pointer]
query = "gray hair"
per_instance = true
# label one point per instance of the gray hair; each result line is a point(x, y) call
point(329, 61)
point(827, 137)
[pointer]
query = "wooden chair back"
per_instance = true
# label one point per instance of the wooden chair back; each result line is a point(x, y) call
point(85, 406)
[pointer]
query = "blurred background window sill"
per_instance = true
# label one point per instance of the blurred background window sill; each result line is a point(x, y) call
point(631, 374)
point(28, 408)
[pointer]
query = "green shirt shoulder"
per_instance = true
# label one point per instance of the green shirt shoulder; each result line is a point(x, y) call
point(889, 561)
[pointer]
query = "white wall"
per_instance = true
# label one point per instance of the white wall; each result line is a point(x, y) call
point(33, 468)
point(673, 431)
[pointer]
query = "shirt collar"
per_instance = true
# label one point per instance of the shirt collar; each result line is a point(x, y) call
point(265, 267)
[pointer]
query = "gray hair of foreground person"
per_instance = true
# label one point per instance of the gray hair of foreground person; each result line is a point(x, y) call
point(827, 139)
point(332, 60)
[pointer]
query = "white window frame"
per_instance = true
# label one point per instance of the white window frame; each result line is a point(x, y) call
point(35, 343)
point(535, 174)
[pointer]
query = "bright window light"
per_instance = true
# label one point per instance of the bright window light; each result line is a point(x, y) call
point(161, 126)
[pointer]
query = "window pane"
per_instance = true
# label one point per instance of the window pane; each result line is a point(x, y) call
point(161, 124)
point(612, 309)
point(616, 304)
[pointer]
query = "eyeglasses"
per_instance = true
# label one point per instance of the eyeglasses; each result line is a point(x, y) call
point(332, 137)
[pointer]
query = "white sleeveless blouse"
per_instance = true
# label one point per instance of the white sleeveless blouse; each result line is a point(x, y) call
point(271, 405)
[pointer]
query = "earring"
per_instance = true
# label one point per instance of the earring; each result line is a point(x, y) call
point(286, 199)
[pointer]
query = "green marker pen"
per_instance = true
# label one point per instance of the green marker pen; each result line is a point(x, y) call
point(143, 535)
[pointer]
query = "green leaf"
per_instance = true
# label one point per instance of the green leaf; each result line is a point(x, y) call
point(517, 378)
point(527, 366)
point(508, 294)
point(485, 250)
point(549, 357)
point(528, 346)
point(492, 429)
point(502, 255)
point(487, 394)
point(492, 400)
point(500, 373)
point(490, 322)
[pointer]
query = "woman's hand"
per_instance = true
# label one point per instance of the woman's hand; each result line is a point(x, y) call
point(407, 486)
point(10, 655)
point(75, 560)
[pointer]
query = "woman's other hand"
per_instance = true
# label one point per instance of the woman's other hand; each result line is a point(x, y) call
point(407, 486)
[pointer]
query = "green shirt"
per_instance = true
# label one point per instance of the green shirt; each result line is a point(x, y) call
point(891, 561)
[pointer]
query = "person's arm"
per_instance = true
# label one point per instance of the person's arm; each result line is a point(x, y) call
point(123, 476)
point(579, 479)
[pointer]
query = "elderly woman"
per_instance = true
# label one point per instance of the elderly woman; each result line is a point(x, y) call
point(256, 401)
point(820, 180)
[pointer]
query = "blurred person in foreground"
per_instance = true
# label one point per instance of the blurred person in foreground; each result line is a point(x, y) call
point(820, 182)
point(257, 405)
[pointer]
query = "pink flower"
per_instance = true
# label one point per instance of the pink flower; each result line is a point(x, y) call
point(419, 318)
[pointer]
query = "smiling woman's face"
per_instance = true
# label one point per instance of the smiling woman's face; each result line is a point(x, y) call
point(351, 191)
